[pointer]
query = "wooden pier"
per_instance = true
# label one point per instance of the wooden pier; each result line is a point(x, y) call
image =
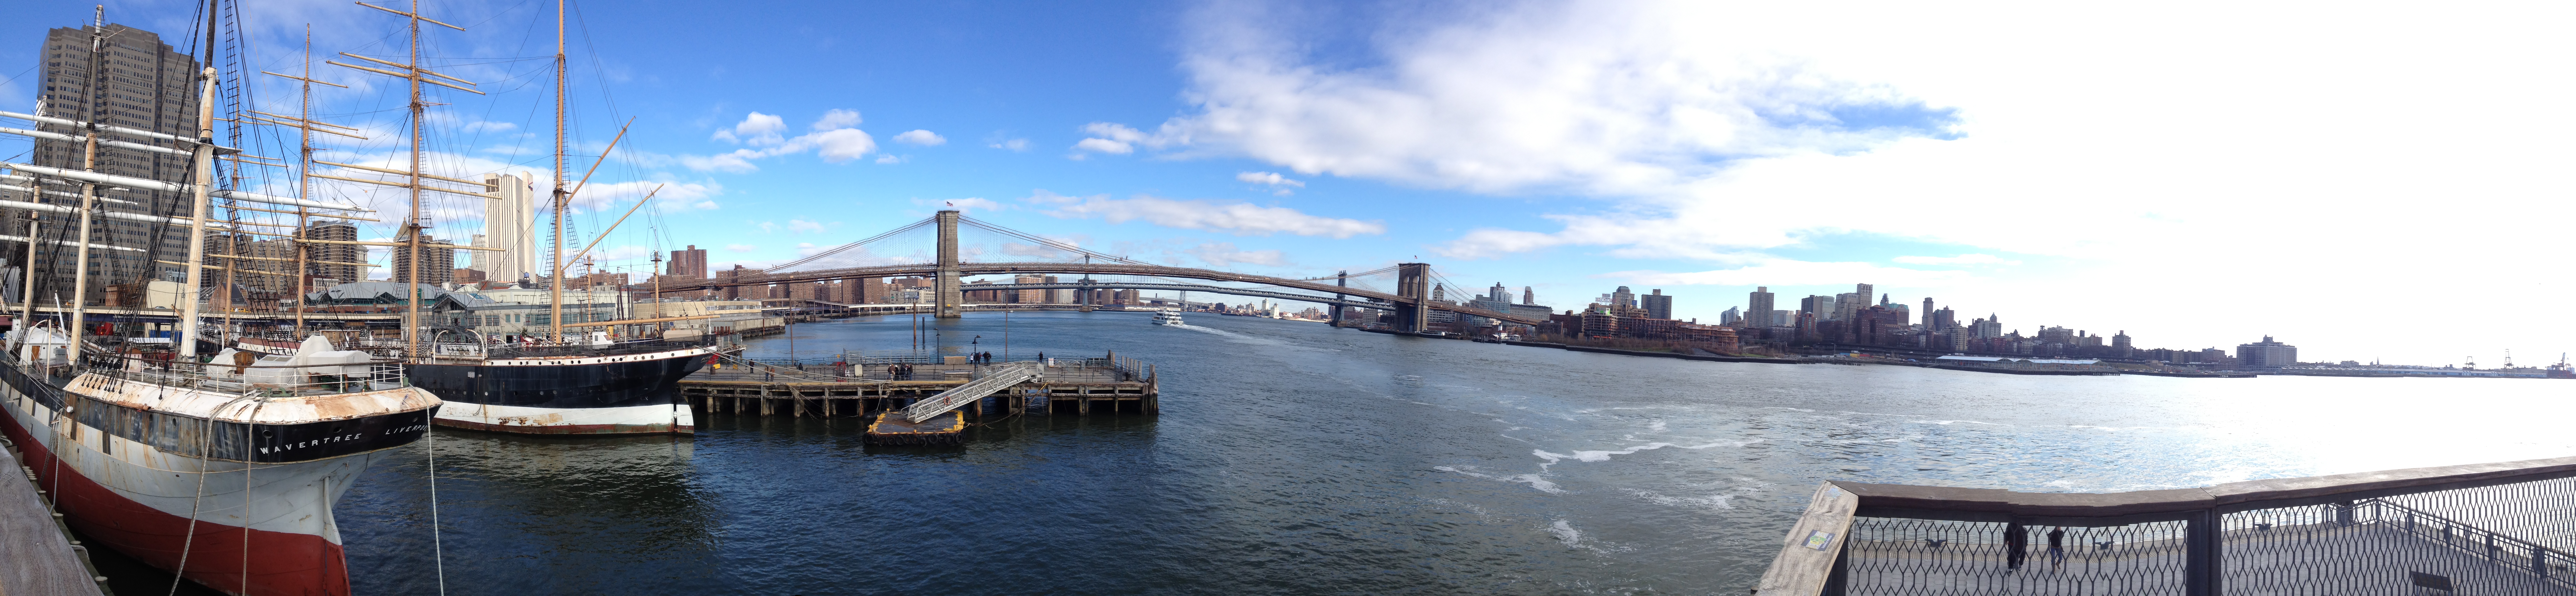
point(37, 553)
point(851, 387)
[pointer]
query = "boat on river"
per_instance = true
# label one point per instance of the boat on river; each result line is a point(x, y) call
point(1168, 318)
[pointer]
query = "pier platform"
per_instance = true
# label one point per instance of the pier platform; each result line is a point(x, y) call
point(37, 553)
point(891, 428)
point(852, 386)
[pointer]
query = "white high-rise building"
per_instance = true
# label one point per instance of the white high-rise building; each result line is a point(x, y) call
point(510, 224)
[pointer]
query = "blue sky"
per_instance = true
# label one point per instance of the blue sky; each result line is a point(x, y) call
point(2194, 181)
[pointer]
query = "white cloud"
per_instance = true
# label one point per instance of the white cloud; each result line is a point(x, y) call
point(920, 137)
point(837, 119)
point(740, 247)
point(2336, 145)
point(801, 226)
point(1011, 144)
point(1966, 259)
point(1224, 254)
point(1105, 146)
point(834, 140)
point(1241, 219)
point(889, 159)
point(755, 129)
point(1268, 179)
point(1786, 272)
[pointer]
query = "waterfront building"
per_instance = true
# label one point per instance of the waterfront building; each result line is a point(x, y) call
point(1758, 312)
point(2266, 354)
point(1821, 307)
point(1730, 317)
point(439, 263)
point(1657, 305)
point(690, 263)
point(2121, 341)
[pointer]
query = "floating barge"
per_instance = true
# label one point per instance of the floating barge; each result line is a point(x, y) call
point(860, 387)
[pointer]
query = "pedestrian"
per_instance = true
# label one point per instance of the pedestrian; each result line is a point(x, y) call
point(2056, 547)
point(2016, 545)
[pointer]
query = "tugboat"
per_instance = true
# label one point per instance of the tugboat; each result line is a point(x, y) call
point(1168, 318)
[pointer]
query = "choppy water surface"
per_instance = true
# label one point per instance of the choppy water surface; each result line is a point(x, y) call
point(1291, 457)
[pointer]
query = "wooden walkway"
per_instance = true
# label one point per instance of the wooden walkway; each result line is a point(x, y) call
point(36, 553)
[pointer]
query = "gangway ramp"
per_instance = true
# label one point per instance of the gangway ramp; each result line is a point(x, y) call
point(990, 380)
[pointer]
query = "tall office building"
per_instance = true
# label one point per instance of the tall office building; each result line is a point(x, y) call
point(1730, 317)
point(1821, 307)
point(1927, 315)
point(510, 224)
point(1658, 305)
point(1757, 309)
point(1623, 297)
point(441, 262)
point(1528, 297)
point(117, 76)
point(328, 263)
point(1847, 306)
point(1498, 293)
point(689, 264)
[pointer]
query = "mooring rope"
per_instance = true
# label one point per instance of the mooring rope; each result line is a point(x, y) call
point(205, 457)
point(249, 446)
point(437, 551)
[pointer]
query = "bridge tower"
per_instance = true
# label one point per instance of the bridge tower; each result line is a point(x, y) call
point(951, 298)
point(1343, 278)
point(1413, 284)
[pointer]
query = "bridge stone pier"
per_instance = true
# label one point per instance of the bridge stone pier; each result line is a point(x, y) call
point(952, 300)
point(1413, 283)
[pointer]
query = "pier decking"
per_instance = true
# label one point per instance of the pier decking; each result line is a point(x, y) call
point(37, 555)
point(852, 386)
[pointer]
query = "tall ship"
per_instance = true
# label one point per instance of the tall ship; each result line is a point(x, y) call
point(567, 381)
point(221, 472)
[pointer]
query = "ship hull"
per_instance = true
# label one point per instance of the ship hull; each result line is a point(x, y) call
point(266, 532)
point(608, 395)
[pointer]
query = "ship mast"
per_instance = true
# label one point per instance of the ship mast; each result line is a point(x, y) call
point(304, 177)
point(555, 316)
point(89, 190)
point(205, 186)
point(413, 230)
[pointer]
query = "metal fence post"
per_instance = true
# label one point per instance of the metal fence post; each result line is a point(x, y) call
point(2344, 513)
point(1836, 580)
point(2201, 541)
point(2540, 561)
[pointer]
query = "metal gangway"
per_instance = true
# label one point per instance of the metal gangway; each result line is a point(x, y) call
point(988, 381)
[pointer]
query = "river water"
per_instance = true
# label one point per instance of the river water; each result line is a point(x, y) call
point(1295, 458)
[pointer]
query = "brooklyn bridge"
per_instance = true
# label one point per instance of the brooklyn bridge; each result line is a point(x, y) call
point(1412, 301)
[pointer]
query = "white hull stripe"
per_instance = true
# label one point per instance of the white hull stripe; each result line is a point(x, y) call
point(539, 417)
point(294, 498)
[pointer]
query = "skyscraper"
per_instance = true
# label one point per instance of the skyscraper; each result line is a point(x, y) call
point(1498, 293)
point(1757, 309)
point(509, 224)
point(1658, 305)
point(116, 76)
point(1623, 298)
point(1730, 317)
point(1527, 297)
point(1927, 316)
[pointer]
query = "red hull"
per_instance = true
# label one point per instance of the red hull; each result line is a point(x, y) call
point(282, 563)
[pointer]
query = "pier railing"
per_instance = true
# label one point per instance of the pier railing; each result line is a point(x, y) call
point(2501, 528)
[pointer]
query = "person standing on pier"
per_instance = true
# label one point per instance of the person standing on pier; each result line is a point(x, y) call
point(2056, 547)
point(2016, 545)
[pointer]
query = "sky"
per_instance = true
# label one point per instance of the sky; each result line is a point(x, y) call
point(2337, 176)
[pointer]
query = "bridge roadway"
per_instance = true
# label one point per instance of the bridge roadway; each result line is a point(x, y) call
point(1377, 299)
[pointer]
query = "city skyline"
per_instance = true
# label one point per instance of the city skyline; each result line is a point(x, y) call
point(2124, 195)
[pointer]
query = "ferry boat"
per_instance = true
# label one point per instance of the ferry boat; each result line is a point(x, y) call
point(1168, 318)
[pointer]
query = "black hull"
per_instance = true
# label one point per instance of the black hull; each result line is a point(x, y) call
point(611, 382)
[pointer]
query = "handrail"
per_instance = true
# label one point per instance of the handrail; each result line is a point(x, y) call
point(1988, 504)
